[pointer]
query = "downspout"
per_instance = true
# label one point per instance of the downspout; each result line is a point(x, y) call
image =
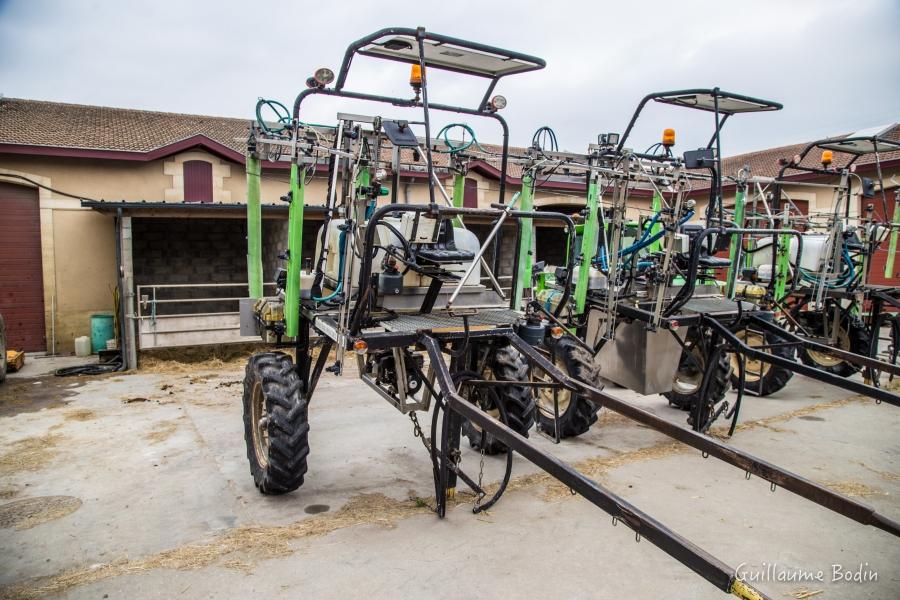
point(120, 272)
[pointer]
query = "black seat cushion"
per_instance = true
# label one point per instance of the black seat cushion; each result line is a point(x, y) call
point(443, 253)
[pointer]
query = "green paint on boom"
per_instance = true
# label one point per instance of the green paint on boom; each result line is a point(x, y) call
point(656, 207)
point(254, 228)
point(892, 245)
point(589, 236)
point(734, 246)
point(459, 195)
point(523, 279)
point(295, 251)
point(783, 262)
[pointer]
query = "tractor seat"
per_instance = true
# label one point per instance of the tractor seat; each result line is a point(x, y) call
point(714, 262)
point(443, 253)
point(444, 250)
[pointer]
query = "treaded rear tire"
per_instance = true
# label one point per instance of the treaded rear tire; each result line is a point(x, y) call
point(716, 388)
point(580, 413)
point(506, 364)
point(278, 466)
point(860, 343)
point(774, 378)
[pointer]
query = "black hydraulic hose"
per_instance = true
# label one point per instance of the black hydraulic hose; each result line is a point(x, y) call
point(432, 447)
point(742, 379)
point(465, 341)
point(92, 369)
point(507, 472)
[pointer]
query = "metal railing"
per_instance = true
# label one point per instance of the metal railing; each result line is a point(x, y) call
point(187, 328)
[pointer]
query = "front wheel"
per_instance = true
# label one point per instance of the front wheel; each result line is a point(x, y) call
point(688, 386)
point(506, 364)
point(276, 423)
point(576, 413)
point(761, 378)
point(852, 336)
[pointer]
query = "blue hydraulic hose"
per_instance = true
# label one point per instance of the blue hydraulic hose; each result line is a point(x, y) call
point(842, 280)
point(645, 240)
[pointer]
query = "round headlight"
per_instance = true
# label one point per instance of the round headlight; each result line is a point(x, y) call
point(498, 102)
point(323, 76)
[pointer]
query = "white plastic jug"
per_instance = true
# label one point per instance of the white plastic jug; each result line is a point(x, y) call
point(83, 346)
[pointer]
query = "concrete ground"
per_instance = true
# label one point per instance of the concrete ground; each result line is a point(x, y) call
point(137, 485)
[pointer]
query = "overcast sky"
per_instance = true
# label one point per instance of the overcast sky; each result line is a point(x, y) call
point(835, 65)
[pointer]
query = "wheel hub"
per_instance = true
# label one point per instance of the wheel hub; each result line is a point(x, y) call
point(260, 418)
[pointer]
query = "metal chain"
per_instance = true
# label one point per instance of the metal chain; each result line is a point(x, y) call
point(480, 496)
point(417, 430)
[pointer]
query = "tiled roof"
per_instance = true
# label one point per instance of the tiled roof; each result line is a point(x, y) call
point(39, 123)
point(765, 162)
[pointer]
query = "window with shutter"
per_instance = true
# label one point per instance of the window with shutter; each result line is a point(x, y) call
point(198, 184)
point(470, 194)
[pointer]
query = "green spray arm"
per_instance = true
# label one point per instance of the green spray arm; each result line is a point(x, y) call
point(295, 249)
point(734, 250)
point(656, 206)
point(892, 245)
point(589, 236)
point(459, 193)
point(523, 278)
point(254, 228)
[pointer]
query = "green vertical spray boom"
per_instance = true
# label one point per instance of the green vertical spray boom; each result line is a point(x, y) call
point(526, 256)
point(254, 227)
point(459, 194)
point(295, 248)
point(892, 244)
point(735, 248)
point(588, 245)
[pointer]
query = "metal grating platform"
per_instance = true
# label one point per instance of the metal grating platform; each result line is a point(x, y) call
point(441, 321)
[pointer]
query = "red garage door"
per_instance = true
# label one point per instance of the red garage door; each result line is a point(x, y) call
point(21, 278)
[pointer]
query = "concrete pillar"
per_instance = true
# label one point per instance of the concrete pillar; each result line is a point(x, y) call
point(127, 274)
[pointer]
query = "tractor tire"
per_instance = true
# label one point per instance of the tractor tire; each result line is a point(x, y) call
point(688, 383)
point(506, 364)
point(276, 423)
point(576, 413)
point(761, 379)
point(853, 337)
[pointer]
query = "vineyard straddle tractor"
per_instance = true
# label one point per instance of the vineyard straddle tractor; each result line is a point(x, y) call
point(377, 290)
point(822, 293)
point(646, 292)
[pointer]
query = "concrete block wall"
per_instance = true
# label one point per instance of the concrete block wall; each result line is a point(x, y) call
point(191, 251)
